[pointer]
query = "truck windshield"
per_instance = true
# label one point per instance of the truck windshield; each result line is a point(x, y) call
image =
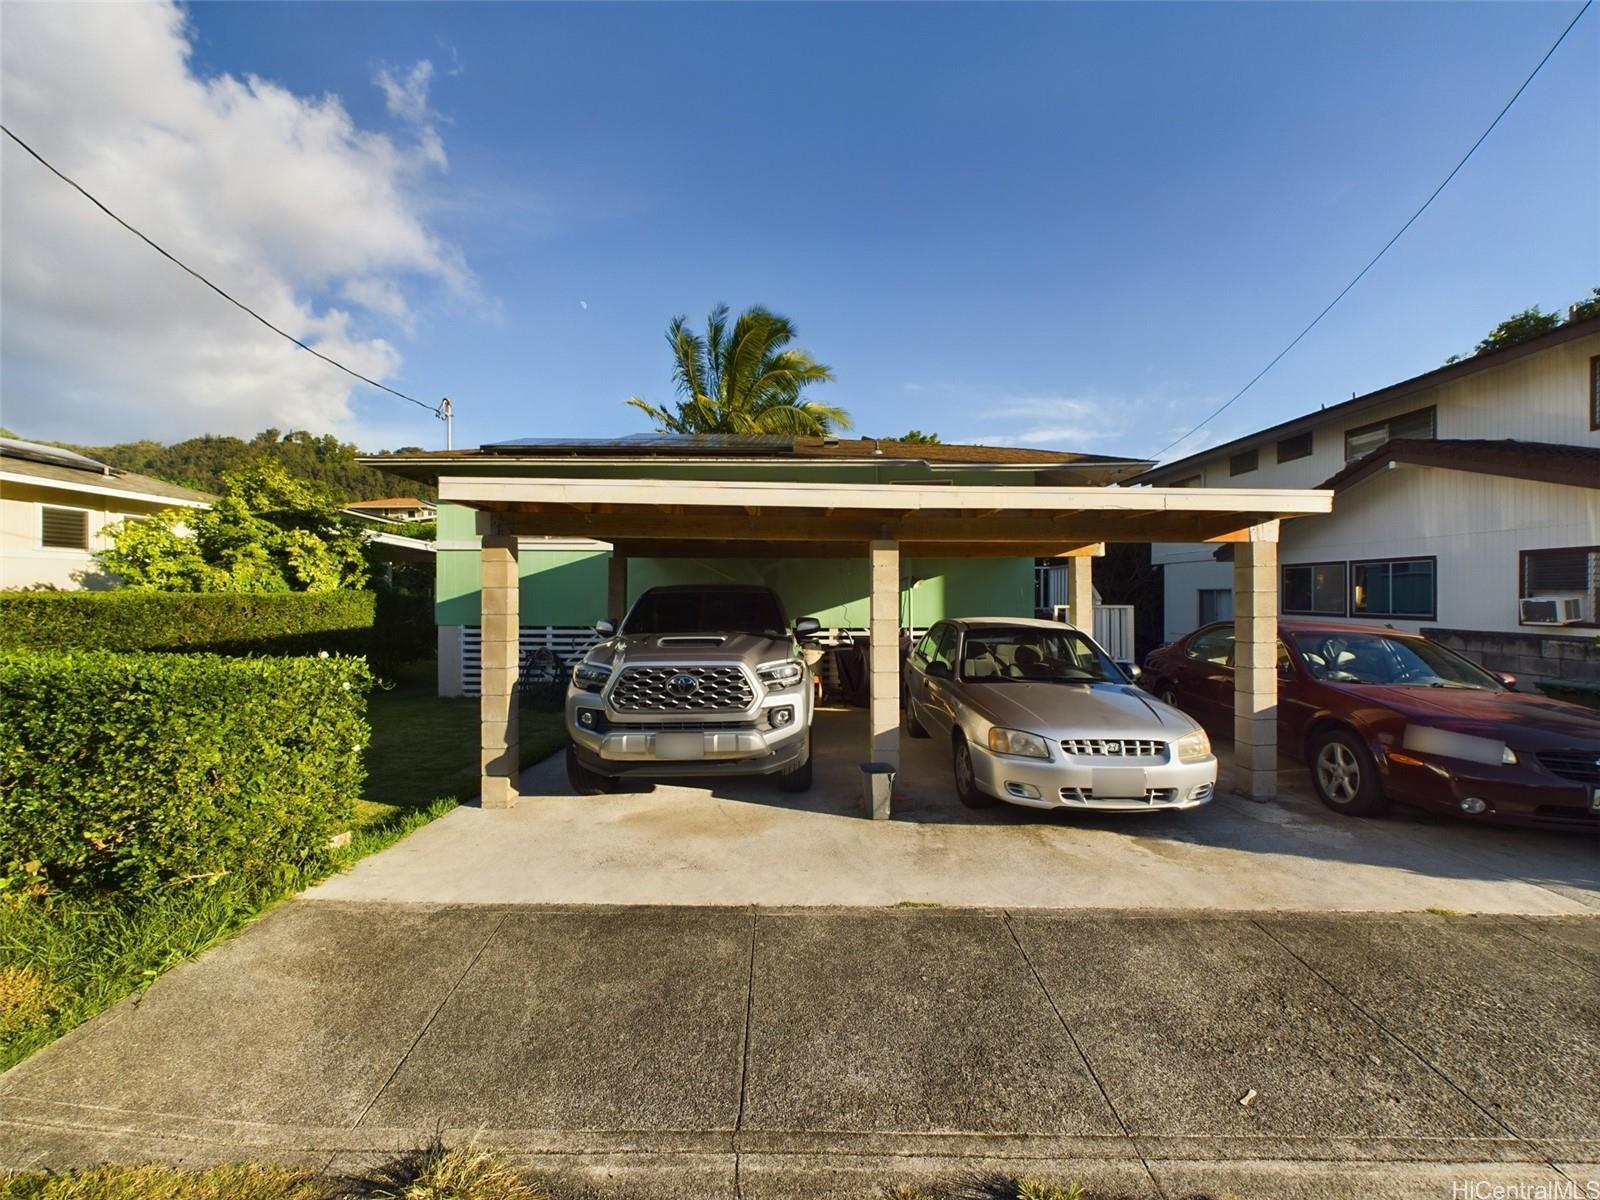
point(707, 610)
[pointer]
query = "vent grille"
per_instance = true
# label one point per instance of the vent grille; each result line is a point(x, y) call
point(1580, 765)
point(649, 689)
point(64, 528)
point(1151, 795)
point(1115, 748)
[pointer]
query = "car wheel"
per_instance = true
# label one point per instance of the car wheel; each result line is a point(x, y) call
point(797, 779)
point(914, 727)
point(584, 781)
point(967, 790)
point(1345, 776)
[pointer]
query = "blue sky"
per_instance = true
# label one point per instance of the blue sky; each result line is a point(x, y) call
point(1075, 226)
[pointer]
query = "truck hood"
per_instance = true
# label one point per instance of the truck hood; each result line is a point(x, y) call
point(671, 649)
point(1062, 710)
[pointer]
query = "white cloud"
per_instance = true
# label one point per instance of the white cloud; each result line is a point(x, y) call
point(279, 198)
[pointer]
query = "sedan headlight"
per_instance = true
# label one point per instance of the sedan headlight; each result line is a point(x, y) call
point(1015, 741)
point(1193, 747)
point(779, 675)
point(590, 677)
point(1508, 757)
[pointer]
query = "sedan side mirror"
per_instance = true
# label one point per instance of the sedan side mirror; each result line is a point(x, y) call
point(937, 670)
point(605, 628)
point(807, 626)
point(1509, 680)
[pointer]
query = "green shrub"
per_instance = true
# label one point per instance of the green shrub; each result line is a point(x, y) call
point(231, 623)
point(136, 773)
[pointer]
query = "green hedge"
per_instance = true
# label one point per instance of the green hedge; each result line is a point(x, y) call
point(135, 773)
point(218, 623)
point(228, 623)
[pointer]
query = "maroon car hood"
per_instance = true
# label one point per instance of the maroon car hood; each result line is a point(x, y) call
point(1487, 714)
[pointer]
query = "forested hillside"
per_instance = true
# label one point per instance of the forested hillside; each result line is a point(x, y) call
point(199, 462)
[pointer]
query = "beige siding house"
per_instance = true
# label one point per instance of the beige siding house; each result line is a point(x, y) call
point(1468, 506)
point(54, 509)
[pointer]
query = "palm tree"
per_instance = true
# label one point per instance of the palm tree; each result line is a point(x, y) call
point(742, 380)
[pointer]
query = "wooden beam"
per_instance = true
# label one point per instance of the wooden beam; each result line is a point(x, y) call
point(753, 549)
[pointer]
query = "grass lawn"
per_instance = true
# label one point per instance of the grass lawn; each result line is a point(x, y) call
point(64, 959)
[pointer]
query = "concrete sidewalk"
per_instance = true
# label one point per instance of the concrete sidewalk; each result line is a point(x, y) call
point(703, 1052)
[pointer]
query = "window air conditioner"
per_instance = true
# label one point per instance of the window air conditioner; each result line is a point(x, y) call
point(1553, 610)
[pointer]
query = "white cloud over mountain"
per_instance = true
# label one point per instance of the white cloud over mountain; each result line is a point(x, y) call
point(279, 198)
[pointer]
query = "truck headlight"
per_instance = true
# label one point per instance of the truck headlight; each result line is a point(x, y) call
point(1193, 747)
point(590, 677)
point(1015, 741)
point(779, 675)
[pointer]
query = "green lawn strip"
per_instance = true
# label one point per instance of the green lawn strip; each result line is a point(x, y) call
point(433, 1173)
point(64, 959)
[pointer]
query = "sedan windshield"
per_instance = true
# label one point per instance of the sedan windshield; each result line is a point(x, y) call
point(1374, 658)
point(997, 655)
point(707, 610)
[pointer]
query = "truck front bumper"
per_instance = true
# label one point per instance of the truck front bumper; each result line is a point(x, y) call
point(740, 745)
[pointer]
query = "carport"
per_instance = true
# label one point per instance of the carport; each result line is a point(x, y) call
point(704, 518)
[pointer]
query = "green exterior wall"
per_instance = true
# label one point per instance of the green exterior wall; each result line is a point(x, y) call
point(568, 587)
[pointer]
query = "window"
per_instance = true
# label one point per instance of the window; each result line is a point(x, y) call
point(945, 649)
point(1571, 571)
point(1314, 589)
point(1401, 587)
point(1244, 462)
point(1216, 604)
point(1594, 392)
point(1364, 440)
point(1298, 446)
point(63, 528)
point(1213, 646)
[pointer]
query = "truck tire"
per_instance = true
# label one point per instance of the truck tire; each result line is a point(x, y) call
point(798, 779)
point(584, 781)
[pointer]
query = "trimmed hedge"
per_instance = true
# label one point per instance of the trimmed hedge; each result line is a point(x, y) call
point(230, 623)
point(135, 773)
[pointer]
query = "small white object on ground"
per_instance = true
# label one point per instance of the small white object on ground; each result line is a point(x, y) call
point(1249, 1098)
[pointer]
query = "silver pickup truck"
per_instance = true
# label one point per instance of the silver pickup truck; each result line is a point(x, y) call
point(697, 681)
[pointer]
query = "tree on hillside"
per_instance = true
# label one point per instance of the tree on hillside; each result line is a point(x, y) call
point(201, 462)
point(268, 532)
point(743, 379)
point(916, 436)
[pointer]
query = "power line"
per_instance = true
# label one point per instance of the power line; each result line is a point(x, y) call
point(436, 409)
point(1374, 261)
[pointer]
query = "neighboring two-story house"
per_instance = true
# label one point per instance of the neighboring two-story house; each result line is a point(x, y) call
point(1467, 506)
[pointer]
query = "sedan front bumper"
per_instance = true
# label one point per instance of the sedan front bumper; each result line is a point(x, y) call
point(1095, 785)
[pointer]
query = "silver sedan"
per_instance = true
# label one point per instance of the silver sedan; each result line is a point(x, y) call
point(1036, 714)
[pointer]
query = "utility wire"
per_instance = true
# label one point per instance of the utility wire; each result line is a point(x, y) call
point(436, 409)
point(1374, 261)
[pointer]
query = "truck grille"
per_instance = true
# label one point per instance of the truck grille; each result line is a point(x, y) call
point(1581, 765)
point(650, 689)
point(1114, 748)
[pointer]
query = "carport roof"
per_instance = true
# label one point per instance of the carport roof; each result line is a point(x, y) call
point(742, 518)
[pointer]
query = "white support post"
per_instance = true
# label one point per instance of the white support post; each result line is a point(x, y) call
point(1255, 663)
point(884, 669)
point(497, 703)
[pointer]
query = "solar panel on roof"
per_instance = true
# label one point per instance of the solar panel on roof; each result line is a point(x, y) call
point(656, 443)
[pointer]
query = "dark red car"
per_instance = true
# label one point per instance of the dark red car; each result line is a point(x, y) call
point(1382, 715)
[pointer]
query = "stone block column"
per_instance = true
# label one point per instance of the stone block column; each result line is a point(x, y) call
point(1255, 663)
point(616, 587)
point(1080, 592)
point(883, 671)
point(500, 657)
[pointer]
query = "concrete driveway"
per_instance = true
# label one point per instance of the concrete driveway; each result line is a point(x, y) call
point(744, 842)
point(752, 1053)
